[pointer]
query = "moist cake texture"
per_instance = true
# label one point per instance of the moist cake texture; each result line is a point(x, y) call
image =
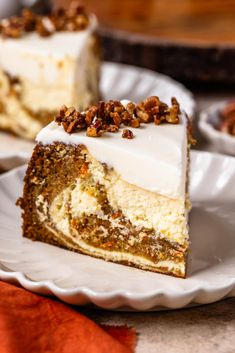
point(45, 60)
point(109, 195)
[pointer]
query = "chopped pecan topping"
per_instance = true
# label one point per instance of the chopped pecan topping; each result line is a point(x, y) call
point(227, 123)
point(148, 109)
point(70, 119)
point(113, 115)
point(12, 27)
point(127, 134)
point(73, 19)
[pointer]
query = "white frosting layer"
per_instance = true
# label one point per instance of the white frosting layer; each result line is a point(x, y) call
point(155, 160)
point(40, 59)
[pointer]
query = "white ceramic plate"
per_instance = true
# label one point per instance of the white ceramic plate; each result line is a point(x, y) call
point(208, 120)
point(79, 279)
point(117, 82)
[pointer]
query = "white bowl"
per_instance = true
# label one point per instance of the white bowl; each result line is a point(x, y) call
point(208, 121)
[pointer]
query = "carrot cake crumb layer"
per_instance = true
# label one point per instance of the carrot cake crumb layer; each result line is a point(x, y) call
point(76, 211)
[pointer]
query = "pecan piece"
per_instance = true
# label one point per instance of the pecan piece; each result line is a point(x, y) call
point(92, 131)
point(69, 111)
point(148, 109)
point(29, 20)
point(63, 110)
point(135, 123)
point(127, 134)
point(143, 116)
point(112, 128)
point(130, 108)
point(126, 118)
point(116, 118)
point(100, 109)
point(71, 126)
point(172, 116)
point(91, 114)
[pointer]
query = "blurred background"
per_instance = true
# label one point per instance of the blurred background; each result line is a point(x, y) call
point(190, 40)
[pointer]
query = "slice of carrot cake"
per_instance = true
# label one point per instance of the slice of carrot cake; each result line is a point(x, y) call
point(111, 182)
point(46, 60)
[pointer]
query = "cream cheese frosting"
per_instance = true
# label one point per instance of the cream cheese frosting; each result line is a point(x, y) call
point(155, 160)
point(42, 59)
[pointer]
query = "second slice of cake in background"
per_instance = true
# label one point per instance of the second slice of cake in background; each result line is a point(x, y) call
point(46, 60)
point(111, 182)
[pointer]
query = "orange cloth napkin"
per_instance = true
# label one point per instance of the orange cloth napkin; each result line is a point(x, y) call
point(30, 323)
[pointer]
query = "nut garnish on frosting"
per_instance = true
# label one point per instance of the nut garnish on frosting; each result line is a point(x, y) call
point(73, 19)
point(112, 115)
